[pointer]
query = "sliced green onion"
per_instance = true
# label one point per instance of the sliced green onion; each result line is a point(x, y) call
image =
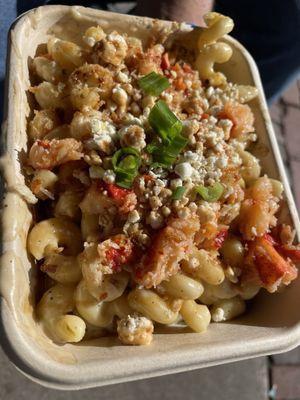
point(124, 152)
point(166, 155)
point(152, 148)
point(126, 184)
point(168, 126)
point(177, 144)
point(125, 179)
point(210, 193)
point(178, 193)
point(163, 159)
point(153, 83)
point(126, 163)
point(163, 121)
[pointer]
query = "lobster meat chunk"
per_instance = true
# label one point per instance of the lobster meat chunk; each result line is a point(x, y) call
point(271, 267)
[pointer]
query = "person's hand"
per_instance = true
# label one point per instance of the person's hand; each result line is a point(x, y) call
point(190, 11)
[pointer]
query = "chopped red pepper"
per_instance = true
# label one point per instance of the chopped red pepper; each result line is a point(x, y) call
point(165, 62)
point(116, 192)
point(179, 84)
point(204, 116)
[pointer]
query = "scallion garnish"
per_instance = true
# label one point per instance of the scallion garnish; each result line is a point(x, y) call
point(126, 163)
point(165, 155)
point(210, 193)
point(153, 83)
point(178, 193)
point(163, 121)
point(168, 126)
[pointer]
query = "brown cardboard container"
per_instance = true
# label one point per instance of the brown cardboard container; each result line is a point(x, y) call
point(272, 324)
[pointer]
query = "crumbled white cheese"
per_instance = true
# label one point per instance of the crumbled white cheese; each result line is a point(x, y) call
point(184, 27)
point(184, 170)
point(168, 97)
point(175, 183)
point(222, 161)
point(104, 135)
point(205, 104)
point(193, 262)
point(183, 212)
point(190, 127)
point(252, 137)
point(135, 330)
point(155, 220)
point(113, 37)
point(193, 206)
point(130, 119)
point(119, 96)
point(157, 189)
point(212, 138)
point(210, 91)
point(148, 101)
point(133, 217)
point(133, 136)
point(155, 202)
point(89, 40)
point(236, 159)
point(109, 176)
point(218, 315)
point(122, 77)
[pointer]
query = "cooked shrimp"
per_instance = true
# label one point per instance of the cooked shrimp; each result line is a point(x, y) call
point(43, 183)
point(264, 263)
point(258, 209)
point(47, 154)
point(84, 124)
point(93, 35)
point(112, 49)
point(43, 122)
point(48, 69)
point(95, 201)
point(67, 54)
point(170, 246)
point(241, 116)
point(67, 172)
point(132, 136)
point(135, 48)
point(151, 60)
point(89, 84)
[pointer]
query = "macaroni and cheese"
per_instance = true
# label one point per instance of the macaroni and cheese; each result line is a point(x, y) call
point(152, 209)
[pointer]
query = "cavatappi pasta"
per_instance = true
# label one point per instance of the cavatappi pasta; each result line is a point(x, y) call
point(152, 209)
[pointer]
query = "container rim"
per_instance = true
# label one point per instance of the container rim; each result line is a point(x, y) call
point(18, 349)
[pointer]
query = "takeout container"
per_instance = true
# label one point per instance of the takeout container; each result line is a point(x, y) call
point(272, 324)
